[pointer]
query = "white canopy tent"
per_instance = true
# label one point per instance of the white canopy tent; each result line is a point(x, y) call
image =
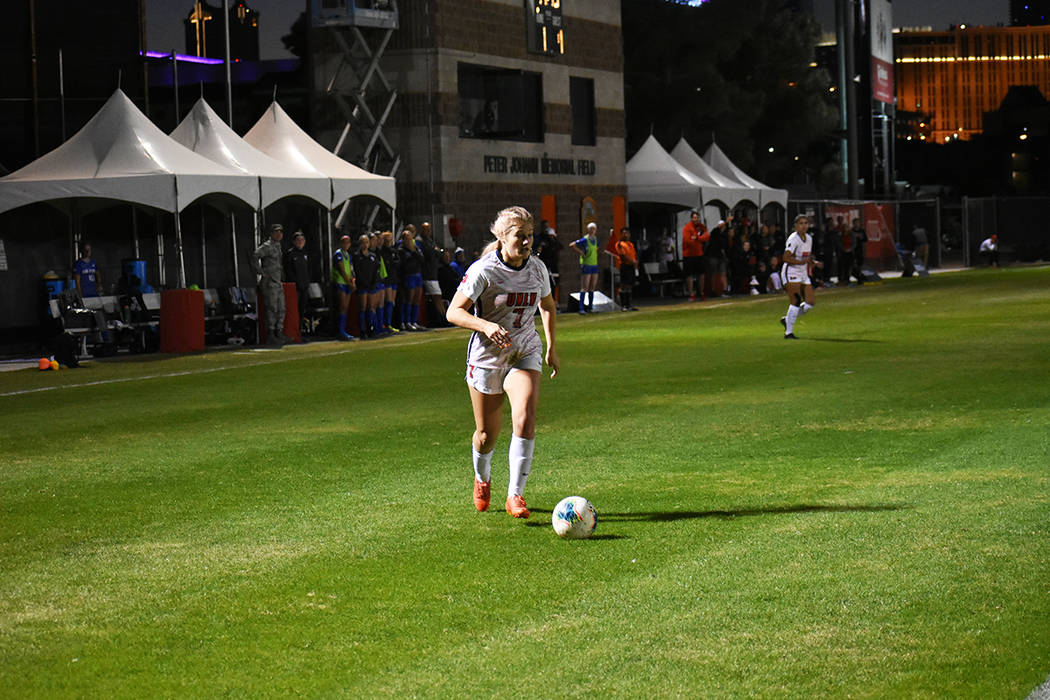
point(718, 160)
point(654, 176)
point(205, 133)
point(276, 135)
point(692, 161)
point(121, 155)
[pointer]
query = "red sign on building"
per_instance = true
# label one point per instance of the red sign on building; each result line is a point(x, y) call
point(881, 33)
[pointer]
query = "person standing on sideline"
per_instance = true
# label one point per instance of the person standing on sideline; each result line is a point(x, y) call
point(366, 275)
point(431, 262)
point(860, 238)
point(694, 238)
point(391, 257)
point(345, 283)
point(845, 251)
point(505, 355)
point(266, 261)
point(297, 270)
point(921, 244)
point(587, 247)
point(716, 257)
point(85, 273)
point(548, 249)
point(412, 276)
point(797, 263)
point(627, 261)
point(668, 254)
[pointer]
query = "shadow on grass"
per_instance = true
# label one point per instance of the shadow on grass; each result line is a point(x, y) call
point(841, 340)
point(670, 516)
point(604, 536)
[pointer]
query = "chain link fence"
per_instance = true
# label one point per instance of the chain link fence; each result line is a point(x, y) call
point(1019, 223)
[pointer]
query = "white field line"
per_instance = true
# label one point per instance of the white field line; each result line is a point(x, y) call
point(208, 370)
point(1042, 692)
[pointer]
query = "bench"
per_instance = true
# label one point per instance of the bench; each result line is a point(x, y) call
point(109, 322)
point(229, 315)
point(128, 320)
point(317, 309)
point(239, 306)
point(76, 322)
point(658, 278)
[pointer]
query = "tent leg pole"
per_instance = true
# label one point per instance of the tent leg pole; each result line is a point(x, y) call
point(327, 242)
point(233, 247)
point(74, 239)
point(161, 267)
point(181, 280)
point(204, 253)
point(135, 231)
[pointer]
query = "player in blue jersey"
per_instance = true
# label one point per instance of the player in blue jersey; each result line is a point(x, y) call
point(85, 272)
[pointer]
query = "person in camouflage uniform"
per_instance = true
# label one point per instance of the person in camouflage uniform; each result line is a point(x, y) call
point(266, 261)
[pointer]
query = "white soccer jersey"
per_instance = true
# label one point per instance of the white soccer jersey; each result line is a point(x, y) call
point(801, 250)
point(509, 297)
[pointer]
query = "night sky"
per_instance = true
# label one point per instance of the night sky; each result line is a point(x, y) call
point(937, 14)
point(165, 30)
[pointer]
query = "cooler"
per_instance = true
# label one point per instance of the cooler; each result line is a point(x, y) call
point(181, 320)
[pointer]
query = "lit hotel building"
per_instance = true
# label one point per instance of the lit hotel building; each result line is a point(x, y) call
point(956, 76)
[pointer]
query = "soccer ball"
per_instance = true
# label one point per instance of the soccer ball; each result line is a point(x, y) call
point(574, 518)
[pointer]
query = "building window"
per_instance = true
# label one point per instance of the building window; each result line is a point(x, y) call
point(581, 100)
point(500, 103)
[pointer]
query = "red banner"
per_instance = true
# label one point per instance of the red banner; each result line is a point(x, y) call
point(880, 252)
point(882, 81)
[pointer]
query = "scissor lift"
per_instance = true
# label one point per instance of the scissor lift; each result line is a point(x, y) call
point(361, 31)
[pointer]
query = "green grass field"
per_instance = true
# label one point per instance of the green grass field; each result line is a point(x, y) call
point(862, 513)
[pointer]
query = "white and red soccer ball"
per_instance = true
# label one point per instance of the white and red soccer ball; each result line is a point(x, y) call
point(574, 518)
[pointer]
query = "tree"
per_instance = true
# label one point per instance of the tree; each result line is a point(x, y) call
point(295, 40)
point(736, 71)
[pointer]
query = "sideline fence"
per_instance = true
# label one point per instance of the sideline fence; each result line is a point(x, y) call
point(1020, 223)
point(889, 225)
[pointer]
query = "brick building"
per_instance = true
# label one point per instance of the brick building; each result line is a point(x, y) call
point(501, 102)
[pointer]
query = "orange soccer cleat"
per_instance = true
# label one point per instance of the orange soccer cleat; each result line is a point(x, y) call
point(516, 507)
point(481, 495)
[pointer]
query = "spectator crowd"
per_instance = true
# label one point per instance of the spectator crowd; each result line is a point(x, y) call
point(739, 256)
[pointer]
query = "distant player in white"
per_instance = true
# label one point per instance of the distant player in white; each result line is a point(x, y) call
point(795, 274)
point(505, 356)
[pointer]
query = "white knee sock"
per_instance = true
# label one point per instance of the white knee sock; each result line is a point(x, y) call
point(482, 465)
point(806, 306)
point(789, 320)
point(520, 455)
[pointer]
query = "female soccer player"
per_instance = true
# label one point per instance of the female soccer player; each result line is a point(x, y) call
point(391, 257)
point(505, 286)
point(587, 247)
point(412, 276)
point(366, 270)
point(345, 283)
point(797, 263)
